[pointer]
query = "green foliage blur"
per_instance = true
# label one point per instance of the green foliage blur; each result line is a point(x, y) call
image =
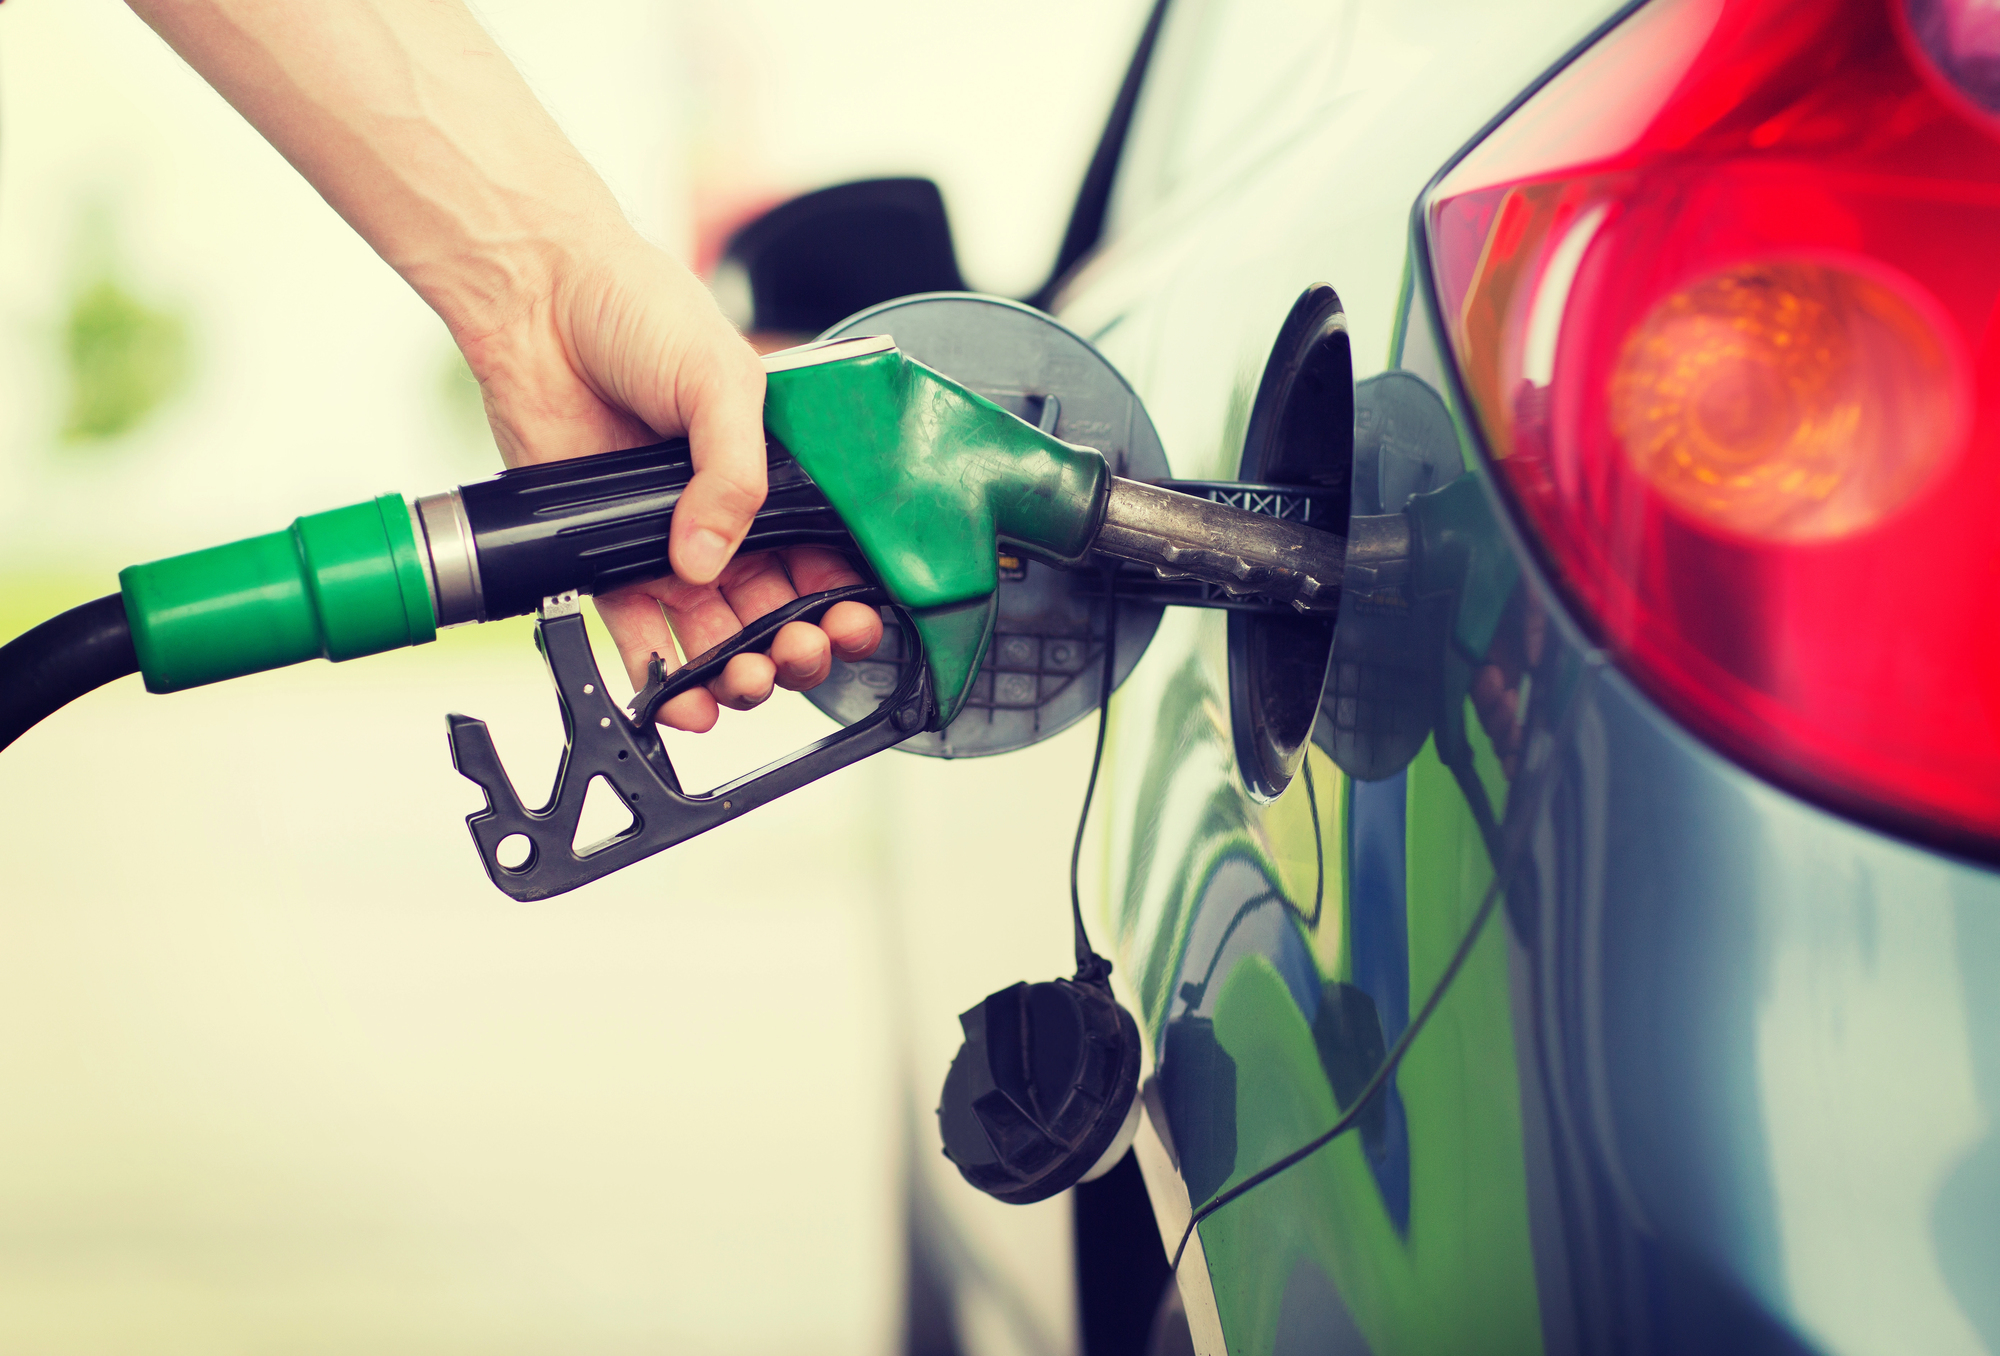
point(125, 358)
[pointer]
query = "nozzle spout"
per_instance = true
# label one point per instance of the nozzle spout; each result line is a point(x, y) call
point(1242, 553)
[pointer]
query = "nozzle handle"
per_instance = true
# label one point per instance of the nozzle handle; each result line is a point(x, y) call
point(589, 525)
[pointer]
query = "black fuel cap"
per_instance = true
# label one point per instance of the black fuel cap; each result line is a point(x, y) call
point(1043, 1089)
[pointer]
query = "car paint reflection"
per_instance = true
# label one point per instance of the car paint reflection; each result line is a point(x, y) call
point(1447, 685)
point(1724, 1080)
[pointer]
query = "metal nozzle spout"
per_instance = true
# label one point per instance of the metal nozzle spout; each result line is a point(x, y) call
point(1243, 553)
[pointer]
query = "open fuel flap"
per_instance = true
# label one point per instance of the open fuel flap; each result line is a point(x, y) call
point(1298, 447)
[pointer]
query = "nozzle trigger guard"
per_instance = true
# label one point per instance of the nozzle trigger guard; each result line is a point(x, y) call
point(602, 740)
point(662, 687)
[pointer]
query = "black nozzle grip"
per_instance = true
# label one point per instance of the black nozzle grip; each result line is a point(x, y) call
point(593, 524)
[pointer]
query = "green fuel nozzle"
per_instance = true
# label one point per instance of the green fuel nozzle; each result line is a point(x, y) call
point(920, 481)
point(874, 454)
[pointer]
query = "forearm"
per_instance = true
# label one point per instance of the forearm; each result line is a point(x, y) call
point(418, 130)
point(412, 124)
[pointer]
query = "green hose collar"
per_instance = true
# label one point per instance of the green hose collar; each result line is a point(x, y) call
point(340, 584)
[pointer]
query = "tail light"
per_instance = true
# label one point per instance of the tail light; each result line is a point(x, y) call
point(1722, 297)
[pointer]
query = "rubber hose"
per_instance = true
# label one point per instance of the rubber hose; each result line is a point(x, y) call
point(66, 656)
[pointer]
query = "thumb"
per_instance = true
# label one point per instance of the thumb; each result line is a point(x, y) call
point(724, 409)
point(648, 336)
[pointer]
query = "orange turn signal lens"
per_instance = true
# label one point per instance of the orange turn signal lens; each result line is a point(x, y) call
point(1788, 401)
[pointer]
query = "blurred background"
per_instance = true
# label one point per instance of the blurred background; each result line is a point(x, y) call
point(282, 1071)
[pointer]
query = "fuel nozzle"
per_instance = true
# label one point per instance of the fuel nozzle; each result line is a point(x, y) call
point(921, 482)
point(872, 454)
point(386, 573)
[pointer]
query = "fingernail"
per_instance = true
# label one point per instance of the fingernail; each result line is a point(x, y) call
point(704, 554)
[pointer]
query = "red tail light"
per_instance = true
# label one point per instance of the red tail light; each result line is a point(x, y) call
point(1723, 297)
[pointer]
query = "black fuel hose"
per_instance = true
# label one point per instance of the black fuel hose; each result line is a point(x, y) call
point(70, 654)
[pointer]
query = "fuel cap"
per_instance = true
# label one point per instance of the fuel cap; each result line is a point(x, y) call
point(1044, 1092)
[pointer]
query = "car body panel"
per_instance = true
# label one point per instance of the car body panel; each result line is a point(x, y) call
point(1186, 301)
point(1759, 1042)
point(1719, 1074)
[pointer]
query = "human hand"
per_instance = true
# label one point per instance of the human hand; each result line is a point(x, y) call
point(418, 131)
point(627, 347)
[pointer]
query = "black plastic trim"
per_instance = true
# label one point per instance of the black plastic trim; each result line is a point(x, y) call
point(843, 248)
point(1093, 197)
